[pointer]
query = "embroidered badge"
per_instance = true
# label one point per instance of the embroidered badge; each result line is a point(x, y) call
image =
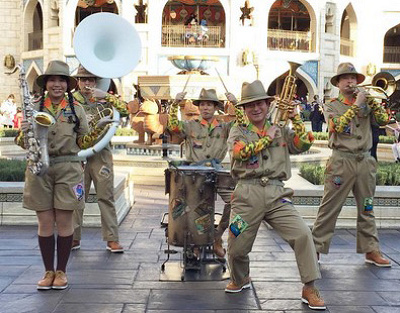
point(238, 225)
point(105, 171)
point(337, 181)
point(286, 200)
point(253, 162)
point(79, 191)
point(369, 206)
point(203, 224)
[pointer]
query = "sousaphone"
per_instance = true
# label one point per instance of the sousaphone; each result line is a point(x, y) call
point(108, 46)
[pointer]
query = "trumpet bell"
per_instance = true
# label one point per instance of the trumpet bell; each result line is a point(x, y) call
point(386, 81)
point(107, 45)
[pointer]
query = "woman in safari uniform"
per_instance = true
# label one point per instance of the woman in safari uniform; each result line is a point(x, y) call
point(59, 191)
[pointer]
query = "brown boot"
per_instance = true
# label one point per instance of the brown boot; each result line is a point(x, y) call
point(376, 258)
point(76, 245)
point(60, 281)
point(233, 288)
point(115, 247)
point(218, 248)
point(312, 297)
point(46, 282)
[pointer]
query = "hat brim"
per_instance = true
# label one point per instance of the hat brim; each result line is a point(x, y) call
point(197, 102)
point(72, 82)
point(243, 102)
point(85, 75)
point(335, 79)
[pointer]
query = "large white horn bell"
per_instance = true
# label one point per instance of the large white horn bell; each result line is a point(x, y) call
point(107, 45)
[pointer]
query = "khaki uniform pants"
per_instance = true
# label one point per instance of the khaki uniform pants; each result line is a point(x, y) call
point(226, 195)
point(345, 174)
point(255, 203)
point(99, 169)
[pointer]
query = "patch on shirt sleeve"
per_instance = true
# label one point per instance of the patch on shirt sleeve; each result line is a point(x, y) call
point(79, 191)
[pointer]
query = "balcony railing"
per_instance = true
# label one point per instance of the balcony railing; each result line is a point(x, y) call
point(192, 36)
point(391, 54)
point(346, 47)
point(35, 40)
point(279, 39)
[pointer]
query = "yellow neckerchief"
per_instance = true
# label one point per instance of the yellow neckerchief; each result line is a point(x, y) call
point(54, 108)
point(214, 123)
point(344, 100)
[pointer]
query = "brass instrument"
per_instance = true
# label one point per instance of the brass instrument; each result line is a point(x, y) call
point(382, 86)
point(36, 136)
point(284, 104)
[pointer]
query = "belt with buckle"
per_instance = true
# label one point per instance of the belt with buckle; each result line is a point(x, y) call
point(263, 181)
point(357, 156)
point(66, 158)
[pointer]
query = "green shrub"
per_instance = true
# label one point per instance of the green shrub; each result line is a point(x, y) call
point(125, 132)
point(12, 170)
point(8, 132)
point(388, 174)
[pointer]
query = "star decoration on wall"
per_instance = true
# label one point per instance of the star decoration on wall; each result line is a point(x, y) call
point(246, 11)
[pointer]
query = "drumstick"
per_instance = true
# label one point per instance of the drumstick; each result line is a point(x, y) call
point(226, 89)
point(184, 87)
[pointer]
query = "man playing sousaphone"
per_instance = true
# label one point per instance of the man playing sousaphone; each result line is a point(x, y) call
point(205, 141)
point(99, 167)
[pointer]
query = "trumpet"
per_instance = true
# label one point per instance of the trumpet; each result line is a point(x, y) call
point(382, 86)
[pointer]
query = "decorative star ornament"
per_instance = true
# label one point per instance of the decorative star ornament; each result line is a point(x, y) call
point(246, 11)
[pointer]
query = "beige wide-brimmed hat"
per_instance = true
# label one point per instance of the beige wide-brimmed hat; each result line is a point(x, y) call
point(346, 68)
point(82, 72)
point(252, 92)
point(207, 95)
point(57, 68)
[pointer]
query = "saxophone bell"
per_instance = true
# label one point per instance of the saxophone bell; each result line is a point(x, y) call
point(43, 119)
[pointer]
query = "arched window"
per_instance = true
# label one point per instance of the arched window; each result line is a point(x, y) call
point(84, 10)
point(391, 50)
point(348, 29)
point(192, 23)
point(35, 35)
point(289, 26)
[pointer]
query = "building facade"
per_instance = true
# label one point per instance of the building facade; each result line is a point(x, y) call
point(250, 38)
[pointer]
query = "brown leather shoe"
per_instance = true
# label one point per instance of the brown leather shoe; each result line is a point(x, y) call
point(46, 282)
point(115, 247)
point(60, 281)
point(76, 245)
point(312, 297)
point(219, 249)
point(233, 288)
point(376, 258)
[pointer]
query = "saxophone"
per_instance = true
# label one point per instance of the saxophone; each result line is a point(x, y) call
point(36, 136)
point(284, 104)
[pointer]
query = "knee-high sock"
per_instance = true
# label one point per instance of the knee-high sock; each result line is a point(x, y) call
point(46, 245)
point(64, 245)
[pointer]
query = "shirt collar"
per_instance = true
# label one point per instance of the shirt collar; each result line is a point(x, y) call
point(344, 100)
point(261, 132)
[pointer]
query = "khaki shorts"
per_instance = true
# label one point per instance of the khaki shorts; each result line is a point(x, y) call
point(60, 188)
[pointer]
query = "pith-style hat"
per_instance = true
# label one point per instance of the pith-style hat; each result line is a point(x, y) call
point(252, 92)
point(57, 68)
point(208, 95)
point(346, 68)
point(82, 72)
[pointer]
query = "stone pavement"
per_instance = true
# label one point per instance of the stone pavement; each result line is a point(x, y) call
point(110, 283)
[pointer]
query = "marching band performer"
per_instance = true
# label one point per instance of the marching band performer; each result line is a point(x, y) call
point(260, 161)
point(351, 166)
point(205, 140)
point(56, 194)
point(99, 167)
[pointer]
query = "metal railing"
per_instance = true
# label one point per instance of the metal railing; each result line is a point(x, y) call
point(391, 54)
point(279, 39)
point(346, 47)
point(192, 36)
point(35, 40)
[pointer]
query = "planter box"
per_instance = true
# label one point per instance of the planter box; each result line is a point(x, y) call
point(12, 212)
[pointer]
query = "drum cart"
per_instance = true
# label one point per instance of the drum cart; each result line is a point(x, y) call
point(189, 224)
